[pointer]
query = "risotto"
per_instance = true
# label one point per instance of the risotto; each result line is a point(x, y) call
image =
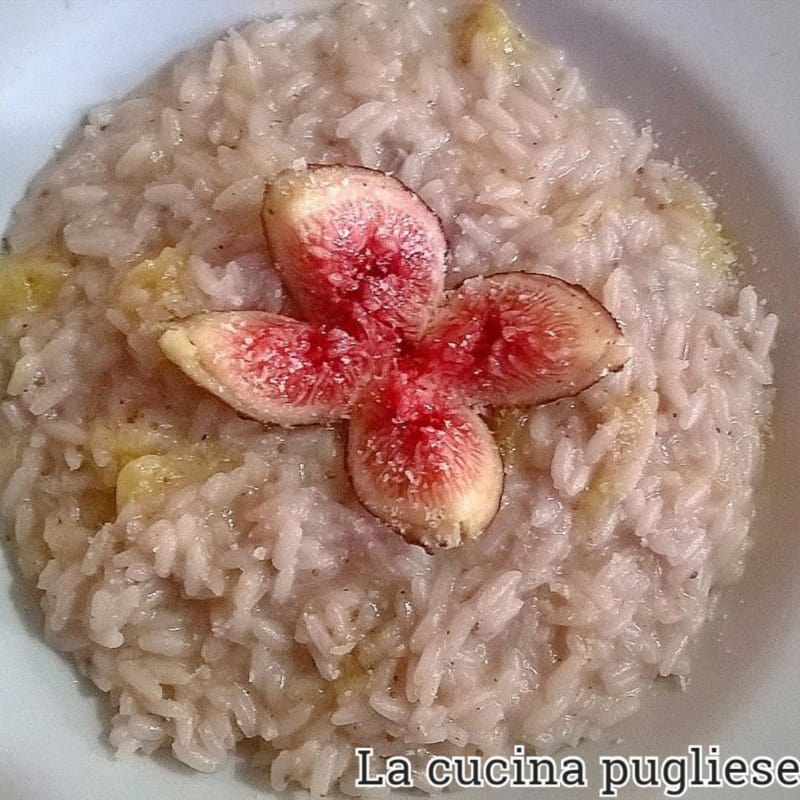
point(218, 577)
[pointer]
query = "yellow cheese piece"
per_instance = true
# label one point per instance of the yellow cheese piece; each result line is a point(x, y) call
point(490, 35)
point(29, 283)
point(146, 480)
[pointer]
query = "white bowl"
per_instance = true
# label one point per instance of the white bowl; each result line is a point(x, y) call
point(719, 81)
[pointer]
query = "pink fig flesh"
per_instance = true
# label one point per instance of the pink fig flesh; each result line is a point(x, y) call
point(425, 464)
point(355, 244)
point(270, 367)
point(522, 339)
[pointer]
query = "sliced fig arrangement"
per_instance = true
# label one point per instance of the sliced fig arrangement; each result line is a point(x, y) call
point(385, 347)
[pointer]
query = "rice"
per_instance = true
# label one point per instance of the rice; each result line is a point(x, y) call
point(217, 578)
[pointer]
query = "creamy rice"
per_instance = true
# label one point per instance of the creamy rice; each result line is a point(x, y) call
point(217, 578)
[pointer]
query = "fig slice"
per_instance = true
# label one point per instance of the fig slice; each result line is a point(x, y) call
point(424, 463)
point(520, 338)
point(356, 244)
point(272, 368)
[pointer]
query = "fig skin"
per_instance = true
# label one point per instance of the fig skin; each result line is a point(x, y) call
point(364, 258)
point(354, 244)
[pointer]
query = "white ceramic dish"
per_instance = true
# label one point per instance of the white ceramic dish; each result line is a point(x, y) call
point(719, 81)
